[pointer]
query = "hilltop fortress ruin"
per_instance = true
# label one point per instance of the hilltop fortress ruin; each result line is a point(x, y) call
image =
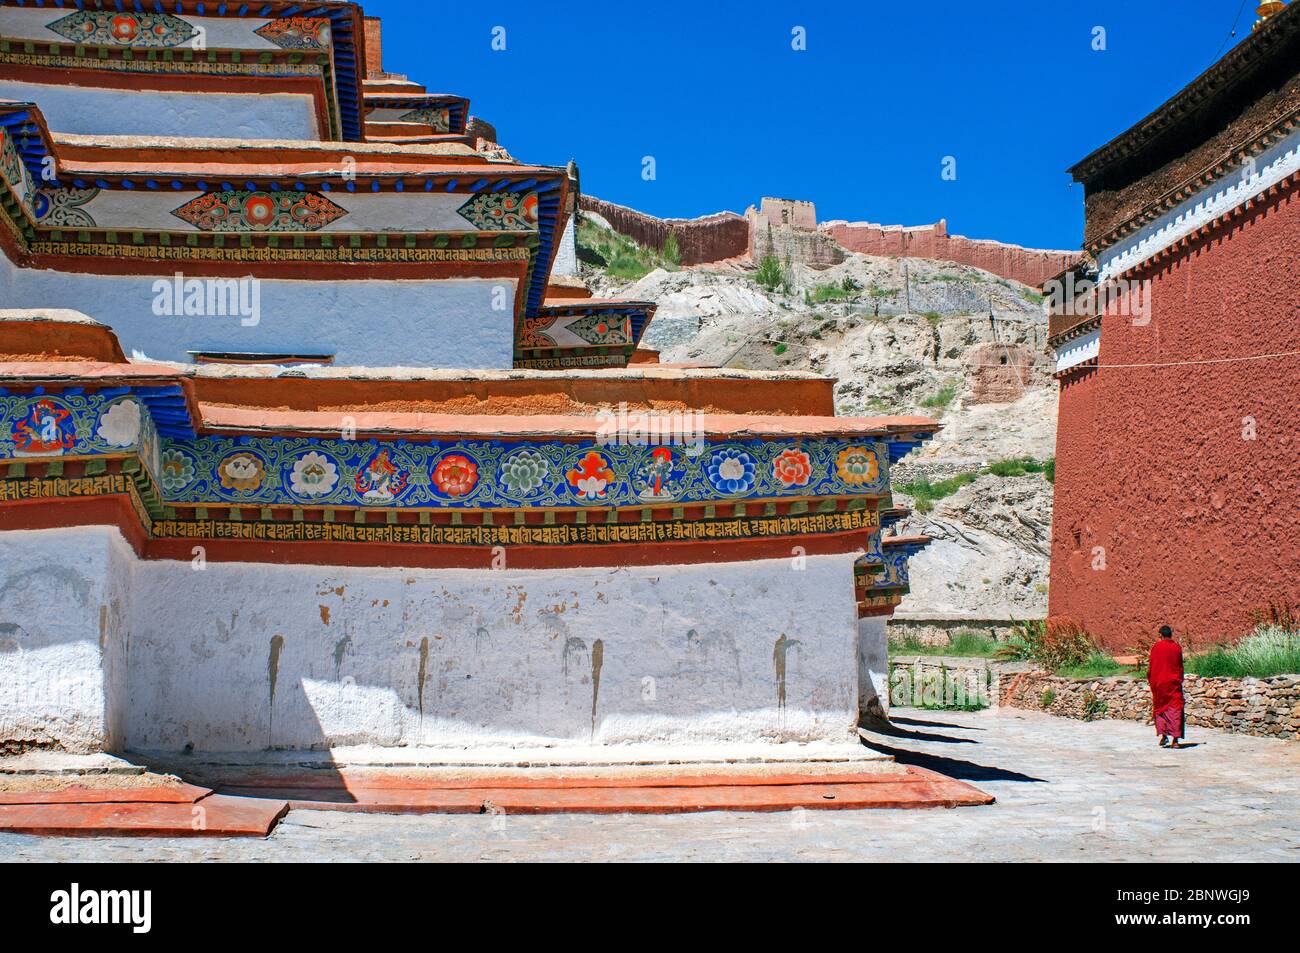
point(789, 229)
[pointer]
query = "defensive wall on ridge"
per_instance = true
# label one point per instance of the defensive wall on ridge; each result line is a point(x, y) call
point(789, 229)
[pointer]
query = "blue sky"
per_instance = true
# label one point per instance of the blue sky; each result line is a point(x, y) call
point(859, 122)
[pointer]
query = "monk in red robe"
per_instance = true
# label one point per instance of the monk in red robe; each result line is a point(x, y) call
point(1165, 676)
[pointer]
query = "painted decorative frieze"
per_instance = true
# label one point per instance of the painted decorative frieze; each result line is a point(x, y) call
point(502, 211)
point(63, 208)
point(439, 117)
point(297, 33)
point(471, 474)
point(244, 211)
point(605, 329)
point(134, 29)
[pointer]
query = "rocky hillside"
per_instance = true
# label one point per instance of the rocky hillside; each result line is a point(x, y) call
point(901, 336)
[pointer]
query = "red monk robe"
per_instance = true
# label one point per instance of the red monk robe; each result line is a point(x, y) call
point(1165, 676)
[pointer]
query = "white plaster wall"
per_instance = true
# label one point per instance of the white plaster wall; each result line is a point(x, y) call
point(446, 323)
point(63, 637)
point(683, 655)
point(118, 112)
point(873, 667)
point(101, 650)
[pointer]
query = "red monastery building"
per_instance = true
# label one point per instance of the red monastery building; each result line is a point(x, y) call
point(1178, 452)
point(311, 437)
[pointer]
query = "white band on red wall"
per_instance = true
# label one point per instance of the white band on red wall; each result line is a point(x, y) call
point(1273, 165)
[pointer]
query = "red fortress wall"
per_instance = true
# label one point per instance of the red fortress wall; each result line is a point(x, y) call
point(701, 240)
point(1164, 511)
point(1030, 266)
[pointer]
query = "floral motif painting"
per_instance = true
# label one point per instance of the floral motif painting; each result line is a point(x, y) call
point(244, 211)
point(609, 328)
point(313, 474)
point(242, 471)
point(731, 470)
point(524, 472)
point(297, 33)
point(178, 470)
point(134, 29)
point(502, 211)
point(485, 473)
point(63, 208)
point(119, 425)
point(591, 478)
point(455, 475)
point(857, 465)
point(792, 468)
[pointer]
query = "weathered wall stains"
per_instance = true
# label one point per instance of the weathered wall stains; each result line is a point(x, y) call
point(273, 676)
point(340, 650)
point(597, 661)
point(780, 657)
point(423, 673)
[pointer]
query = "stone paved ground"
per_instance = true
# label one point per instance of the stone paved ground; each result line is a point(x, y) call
point(1067, 790)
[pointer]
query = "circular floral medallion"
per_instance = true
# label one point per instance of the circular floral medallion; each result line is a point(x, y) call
point(177, 470)
point(455, 474)
point(857, 465)
point(241, 471)
point(124, 28)
point(792, 468)
point(313, 474)
point(259, 210)
point(119, 426)
point(524, 471)
point(732, 470)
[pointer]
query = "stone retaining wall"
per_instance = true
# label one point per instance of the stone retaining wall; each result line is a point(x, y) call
point(1269, 707)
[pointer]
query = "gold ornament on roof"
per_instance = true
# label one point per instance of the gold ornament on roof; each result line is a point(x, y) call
point(1266, 10)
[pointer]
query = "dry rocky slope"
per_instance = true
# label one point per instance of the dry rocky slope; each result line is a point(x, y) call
point(910, 336)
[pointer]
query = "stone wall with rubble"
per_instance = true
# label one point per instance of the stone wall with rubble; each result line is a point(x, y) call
point(1269, 707)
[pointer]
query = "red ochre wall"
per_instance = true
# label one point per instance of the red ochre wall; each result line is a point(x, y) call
point(1030, 266)
point(701, 240)
point(1200, 528)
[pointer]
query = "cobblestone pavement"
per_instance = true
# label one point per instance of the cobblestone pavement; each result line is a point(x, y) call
point(1066, 790)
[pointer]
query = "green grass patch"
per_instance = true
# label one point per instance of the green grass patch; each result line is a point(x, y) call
point(934, 317)
point(1097, 665)
point(845, 290)
point(965, 643)
point(1033, 297)
point(968, 706)
point(1015, 467)
point(1270, 650)
point(619, 256)
point(945, 396)
point(926, 494)
point(781, 348)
